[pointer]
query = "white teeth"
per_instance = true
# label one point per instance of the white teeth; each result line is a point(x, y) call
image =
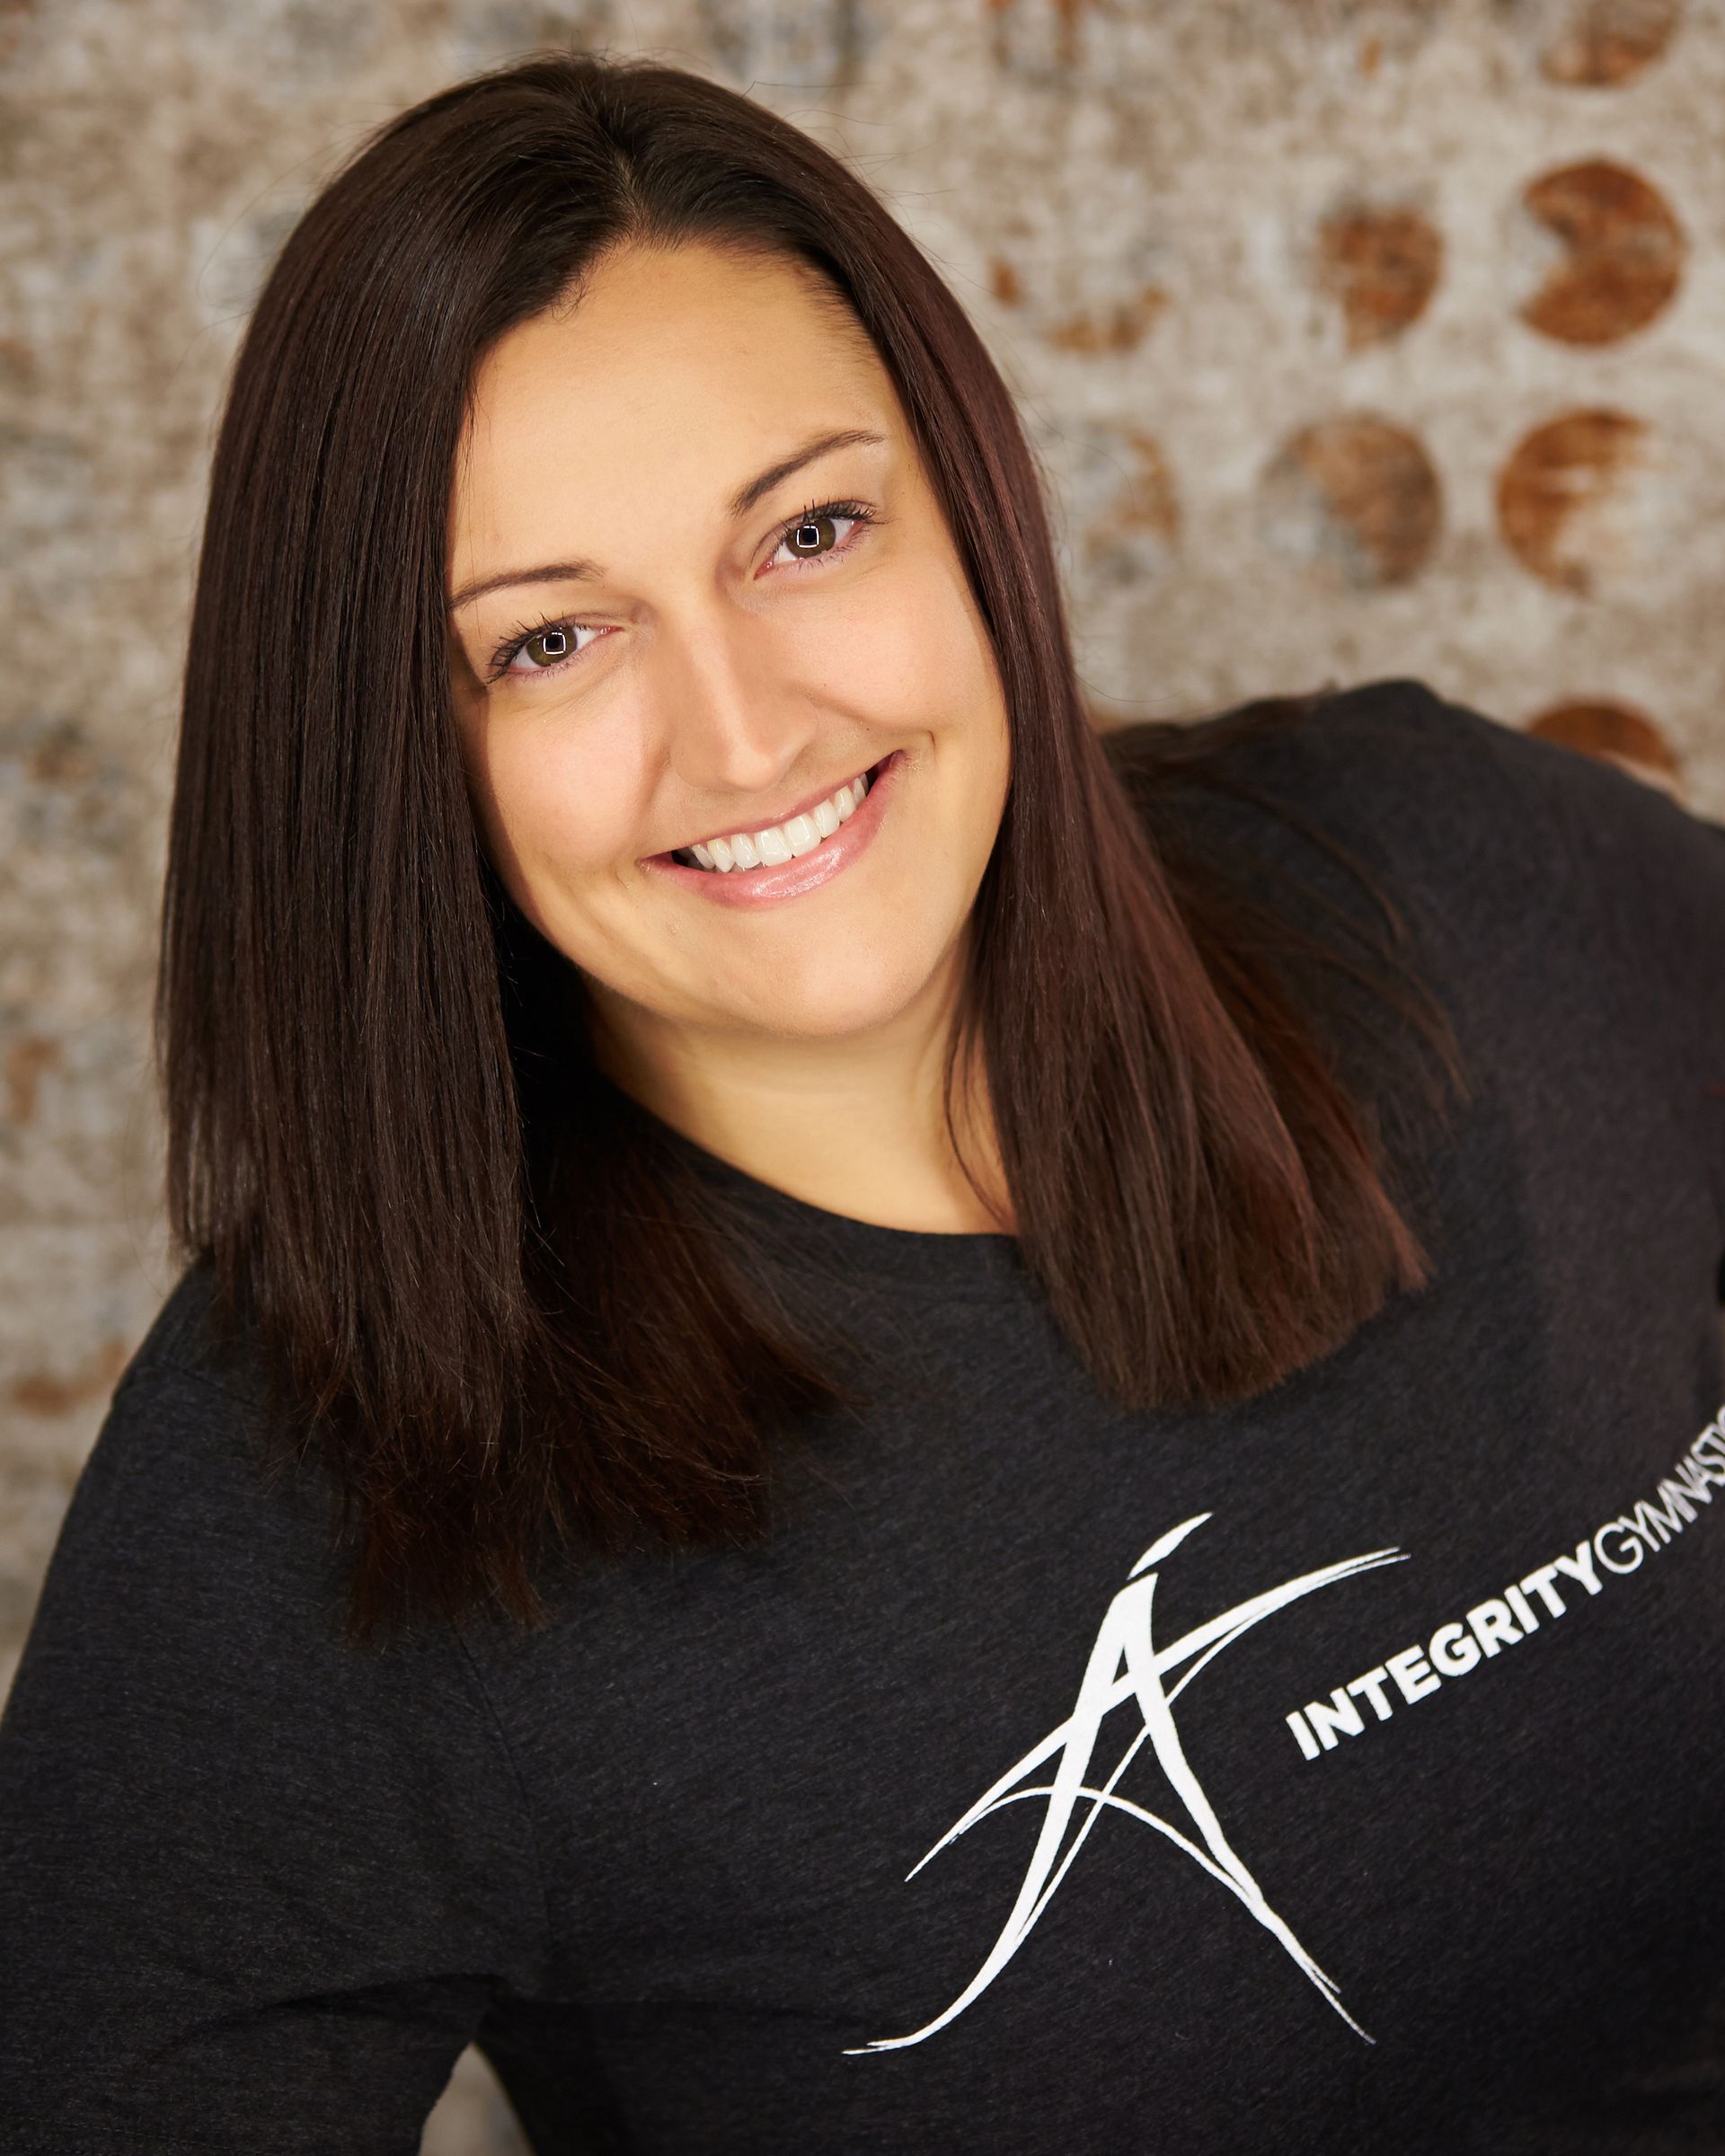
point(780, 843)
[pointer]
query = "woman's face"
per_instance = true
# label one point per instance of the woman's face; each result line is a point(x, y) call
point(699, 585)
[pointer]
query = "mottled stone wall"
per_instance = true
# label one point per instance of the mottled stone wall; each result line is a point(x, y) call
point(1357, 336)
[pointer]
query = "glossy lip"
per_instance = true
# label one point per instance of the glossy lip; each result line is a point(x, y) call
point(807, 872)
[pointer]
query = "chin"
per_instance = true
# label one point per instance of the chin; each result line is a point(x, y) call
point(826, 994)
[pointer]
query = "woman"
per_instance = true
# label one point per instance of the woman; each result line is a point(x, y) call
point(1024, 1427)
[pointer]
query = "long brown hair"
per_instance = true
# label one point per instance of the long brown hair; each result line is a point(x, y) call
point(478, 1278)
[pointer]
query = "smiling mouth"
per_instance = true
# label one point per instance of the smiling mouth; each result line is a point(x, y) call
point(773, 844)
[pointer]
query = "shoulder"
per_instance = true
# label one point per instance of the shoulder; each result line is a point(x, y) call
point(1556, 896)
point(188, 1503)
point(1389, 757)
point(1382, 804)
point(186, 1441)
point(1449, 806)
point(202, 1555)
point(190, 1340)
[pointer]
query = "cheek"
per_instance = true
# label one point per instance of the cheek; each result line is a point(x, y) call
point(951, 686)
point(908, 651)
point(557, 809)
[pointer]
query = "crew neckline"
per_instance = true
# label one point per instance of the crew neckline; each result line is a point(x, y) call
point(966, 1262)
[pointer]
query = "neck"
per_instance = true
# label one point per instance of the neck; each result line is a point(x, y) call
point(853, 1125)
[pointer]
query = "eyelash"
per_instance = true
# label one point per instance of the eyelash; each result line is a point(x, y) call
point(510, 649)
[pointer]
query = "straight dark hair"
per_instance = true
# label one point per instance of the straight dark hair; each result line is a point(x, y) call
point(487, 1288)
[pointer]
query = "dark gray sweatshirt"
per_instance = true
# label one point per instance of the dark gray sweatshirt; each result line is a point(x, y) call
point(1344, 1770)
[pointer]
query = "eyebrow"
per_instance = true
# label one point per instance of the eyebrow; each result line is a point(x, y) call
point(741, 503)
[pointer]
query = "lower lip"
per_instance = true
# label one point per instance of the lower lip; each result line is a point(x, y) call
point(807, 872)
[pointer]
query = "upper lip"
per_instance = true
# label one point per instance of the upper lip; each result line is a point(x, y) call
point(751, 824)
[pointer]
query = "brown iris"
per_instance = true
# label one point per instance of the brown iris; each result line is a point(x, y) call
point(813, 526)
point(549, 645)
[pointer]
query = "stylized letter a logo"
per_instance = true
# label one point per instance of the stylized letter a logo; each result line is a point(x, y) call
point(1126, 1666)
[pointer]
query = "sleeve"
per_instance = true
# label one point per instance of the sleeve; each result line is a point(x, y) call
point(259, 1885)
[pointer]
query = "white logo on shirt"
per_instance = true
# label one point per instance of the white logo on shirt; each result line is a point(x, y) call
point(1127, 1667)
point(1454, 1649)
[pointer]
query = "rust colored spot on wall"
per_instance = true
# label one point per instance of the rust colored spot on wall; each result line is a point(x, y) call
point(1146, 504)
point(1381, 264)
point(44, 1392)
point(26, 1060)
point(1617, 733)
point(1560, 495)
point(1357, 493)
point(18, 362)
point(1624, 252)
point(1004, 282)
point(1068, 20)
point(1602, 728)
point(59, 755)
point(1120, 328)
point(13, 17)
point(1596, 44)
point(70, 794)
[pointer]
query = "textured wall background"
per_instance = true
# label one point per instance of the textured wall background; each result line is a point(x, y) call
point(1359, 336)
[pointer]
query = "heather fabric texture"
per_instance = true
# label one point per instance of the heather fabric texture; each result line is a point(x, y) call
point(1356, 1756)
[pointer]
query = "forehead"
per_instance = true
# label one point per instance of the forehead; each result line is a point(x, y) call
point(686, 367)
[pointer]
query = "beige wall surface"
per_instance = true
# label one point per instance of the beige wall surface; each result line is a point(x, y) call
point(1358, 337)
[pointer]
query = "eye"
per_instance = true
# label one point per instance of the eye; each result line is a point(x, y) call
point(807, 536)
point(544, 649)
point(547, 646)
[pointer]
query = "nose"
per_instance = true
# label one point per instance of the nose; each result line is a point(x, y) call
point(735, 722)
